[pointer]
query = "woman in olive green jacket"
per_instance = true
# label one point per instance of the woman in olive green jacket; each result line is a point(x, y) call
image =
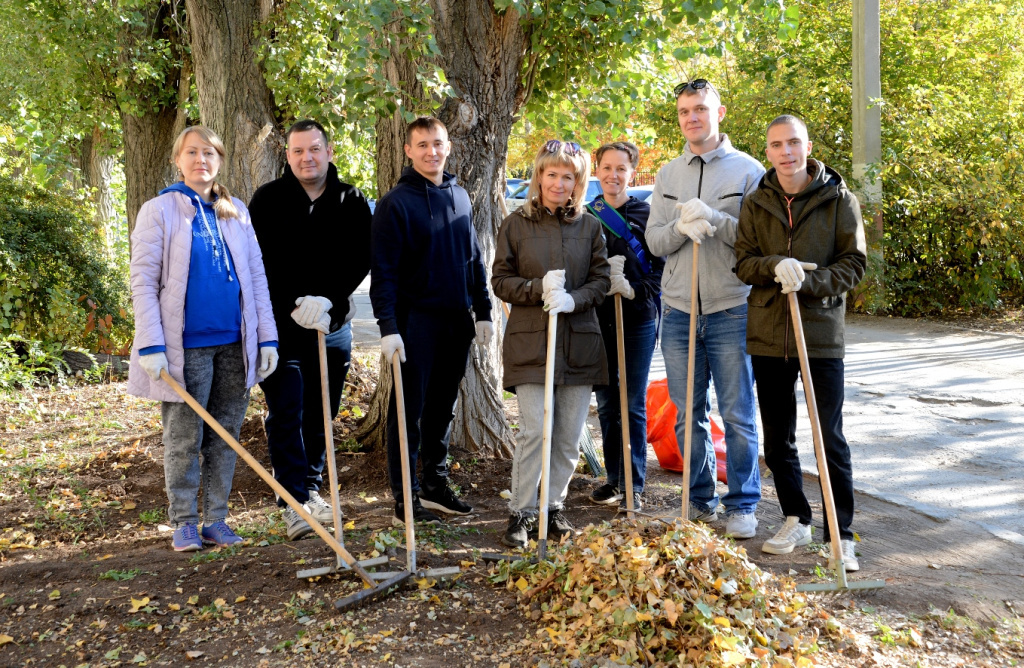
point(551, 258)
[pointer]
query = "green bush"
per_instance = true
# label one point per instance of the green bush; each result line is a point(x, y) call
point(56, 285)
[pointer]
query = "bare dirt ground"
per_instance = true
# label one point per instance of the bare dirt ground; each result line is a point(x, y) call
point(87, 576)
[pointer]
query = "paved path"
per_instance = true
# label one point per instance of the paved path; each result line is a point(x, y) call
point(934, 415)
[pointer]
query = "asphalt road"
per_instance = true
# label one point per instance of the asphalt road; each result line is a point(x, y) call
point(934, 415)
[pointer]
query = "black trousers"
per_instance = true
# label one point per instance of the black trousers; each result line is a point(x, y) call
point(775, 378)
point(295, 417)
point(436, 350)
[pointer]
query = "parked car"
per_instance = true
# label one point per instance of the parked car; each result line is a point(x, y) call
point(515, 193)
point(642, 193)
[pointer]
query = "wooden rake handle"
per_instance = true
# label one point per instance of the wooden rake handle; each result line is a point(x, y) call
point(627, 451)
point(332, 464)
point(819, 444)
point(269, 479)
point(545, 452)
point(691, 353)
point(403, 435)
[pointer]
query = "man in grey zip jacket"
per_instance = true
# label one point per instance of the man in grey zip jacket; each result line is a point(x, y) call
point(697, 199)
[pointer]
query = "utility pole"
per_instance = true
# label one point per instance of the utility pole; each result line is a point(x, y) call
point(867, 126)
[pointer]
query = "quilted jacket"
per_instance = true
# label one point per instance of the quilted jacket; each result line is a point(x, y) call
point(161, 251)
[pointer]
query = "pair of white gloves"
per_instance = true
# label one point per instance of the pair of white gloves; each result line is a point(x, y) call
point(393, 343)
point(697, 220)
point(154, 363)
point(789, 272)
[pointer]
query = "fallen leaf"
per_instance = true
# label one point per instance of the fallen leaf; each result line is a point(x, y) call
point(240, 599)
point(139, 658)
point(522, 584)
point(129, 505)
point(193, 600)
point(54, 595)
point(350, 525)
point(104, 557)
point(426, 583)
point(4, 639)
point(173, 607)
point(505, 494)
point(113, 654)
point(193, 654)
point(139, 603)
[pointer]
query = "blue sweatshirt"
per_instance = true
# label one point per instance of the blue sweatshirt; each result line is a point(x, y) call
point(213, 307)
point(424, 253)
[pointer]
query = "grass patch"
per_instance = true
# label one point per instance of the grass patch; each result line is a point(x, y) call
point(214, 555)
point(120, 576)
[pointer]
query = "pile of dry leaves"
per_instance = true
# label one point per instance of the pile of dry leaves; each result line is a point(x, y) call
point(643, 592)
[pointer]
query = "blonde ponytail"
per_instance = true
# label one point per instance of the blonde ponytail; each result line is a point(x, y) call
point(224, 206)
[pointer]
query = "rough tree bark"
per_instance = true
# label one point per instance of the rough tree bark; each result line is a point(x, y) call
point(148, 134)
point(482, 57)
point(97, 166)
point(234, 99)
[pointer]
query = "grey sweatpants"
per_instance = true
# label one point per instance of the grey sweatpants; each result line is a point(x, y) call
point(571, 403)
point(215, 377)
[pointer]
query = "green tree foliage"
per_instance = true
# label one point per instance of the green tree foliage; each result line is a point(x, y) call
point(55, 285)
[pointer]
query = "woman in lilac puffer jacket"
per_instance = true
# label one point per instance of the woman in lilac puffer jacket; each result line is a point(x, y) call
point(202, 313)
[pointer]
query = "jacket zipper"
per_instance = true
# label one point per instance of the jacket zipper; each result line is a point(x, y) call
point(789, 253)
point(700, 184)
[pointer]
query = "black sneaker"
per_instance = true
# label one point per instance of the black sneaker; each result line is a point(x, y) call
point(419, 513)
point(519, 527)
point(443, 499)
point(606, 495)
point(559, 526)
point(638, 503)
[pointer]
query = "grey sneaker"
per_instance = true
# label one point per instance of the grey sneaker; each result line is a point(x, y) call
point(319, 509)
point(741, 525)
point(699, 515)
point(297, 527)
point(850, 562)
point(791, 535)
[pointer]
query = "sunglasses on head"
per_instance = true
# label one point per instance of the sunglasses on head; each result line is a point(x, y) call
point(553, 146)
point(696, 84)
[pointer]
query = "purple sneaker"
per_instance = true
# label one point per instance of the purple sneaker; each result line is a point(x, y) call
point(220, 534)
point(186, 538)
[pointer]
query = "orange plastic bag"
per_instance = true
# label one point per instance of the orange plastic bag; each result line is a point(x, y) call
point(661, 431)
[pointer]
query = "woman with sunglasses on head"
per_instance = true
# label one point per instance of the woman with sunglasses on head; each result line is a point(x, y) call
point(636, 275)
point(550, 258)
point(203, 315)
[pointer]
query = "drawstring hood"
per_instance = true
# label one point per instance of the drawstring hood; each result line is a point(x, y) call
point(214, 237)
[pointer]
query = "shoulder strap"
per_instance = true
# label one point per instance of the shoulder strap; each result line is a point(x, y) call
point(617, 225)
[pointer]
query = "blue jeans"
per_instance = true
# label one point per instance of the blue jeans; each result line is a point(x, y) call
point(295, 419)
point(638, 341)
point(720, 356)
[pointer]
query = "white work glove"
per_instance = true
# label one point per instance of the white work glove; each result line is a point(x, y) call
point(391, 344)
point(484, 332)
point(790, 273)
point(620, 286)
point(553, 280)
point(693, 209)
point(153, 363)
point(559, 301)
point(268, 361)
point(696, 229)
point(310, 311)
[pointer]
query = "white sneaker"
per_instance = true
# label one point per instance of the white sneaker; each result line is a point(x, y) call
point(741, 525)
point(319, 509)
point(296, 526)
point(850, 562)
point(791, 535)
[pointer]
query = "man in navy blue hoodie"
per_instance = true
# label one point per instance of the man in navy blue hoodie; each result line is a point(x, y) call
point(314, 232)
point(427, 283)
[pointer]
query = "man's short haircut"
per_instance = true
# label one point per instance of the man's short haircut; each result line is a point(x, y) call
point(424, 124)
point(786, 118)
point(689, 88)
point(626, 147)
point(305, 125)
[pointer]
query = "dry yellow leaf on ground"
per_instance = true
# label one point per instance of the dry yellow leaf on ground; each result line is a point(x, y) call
point(139, 603)
point(4, 639)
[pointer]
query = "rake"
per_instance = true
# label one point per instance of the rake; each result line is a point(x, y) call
point(842, 584)
point(373, 590)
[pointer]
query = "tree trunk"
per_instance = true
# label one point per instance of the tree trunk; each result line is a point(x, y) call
point(482, 57)
point(234, 99)
point(149, 134)
point(97, 165)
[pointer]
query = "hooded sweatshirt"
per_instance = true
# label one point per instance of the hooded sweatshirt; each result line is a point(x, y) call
point(424, 252)
point(213, 311)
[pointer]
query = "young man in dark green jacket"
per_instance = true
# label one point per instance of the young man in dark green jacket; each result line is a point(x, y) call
point(800, 231)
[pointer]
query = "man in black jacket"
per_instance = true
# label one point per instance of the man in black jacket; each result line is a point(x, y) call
point(427, 283)
point(314, 232)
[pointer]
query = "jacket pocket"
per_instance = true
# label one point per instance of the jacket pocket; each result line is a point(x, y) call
point(584, 347)
point(525, 341)
point(761, 314)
